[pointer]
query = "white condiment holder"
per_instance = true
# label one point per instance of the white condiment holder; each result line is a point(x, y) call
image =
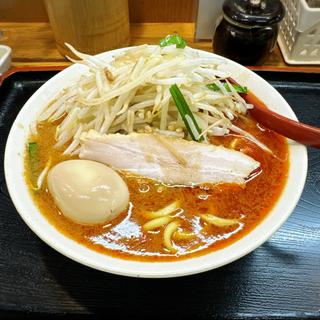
point(299, 36)
point(5, 58)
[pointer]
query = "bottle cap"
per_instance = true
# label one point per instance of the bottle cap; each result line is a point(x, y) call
point(254, 12)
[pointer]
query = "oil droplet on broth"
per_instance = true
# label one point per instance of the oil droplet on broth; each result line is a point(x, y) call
point(203, 196)
point(143, 188)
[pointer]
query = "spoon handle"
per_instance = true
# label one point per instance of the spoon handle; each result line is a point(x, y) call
point(291, 129)
point(294, 130)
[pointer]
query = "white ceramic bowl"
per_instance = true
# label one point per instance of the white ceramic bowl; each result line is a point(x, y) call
point(22, 200)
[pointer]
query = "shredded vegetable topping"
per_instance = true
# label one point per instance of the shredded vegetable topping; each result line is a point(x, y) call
point(132, 94)
point(236, 87)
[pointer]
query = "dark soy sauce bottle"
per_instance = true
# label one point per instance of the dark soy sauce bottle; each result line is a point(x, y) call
point(248, 30)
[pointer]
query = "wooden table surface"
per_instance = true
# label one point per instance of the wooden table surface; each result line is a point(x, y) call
point(279, 280)
point(33, 44)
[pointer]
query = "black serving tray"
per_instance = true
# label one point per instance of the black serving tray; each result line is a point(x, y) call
point(280, 279)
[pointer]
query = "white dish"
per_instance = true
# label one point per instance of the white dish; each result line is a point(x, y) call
point(14, 172)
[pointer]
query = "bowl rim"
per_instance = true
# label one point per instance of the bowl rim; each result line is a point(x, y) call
point(70, 248)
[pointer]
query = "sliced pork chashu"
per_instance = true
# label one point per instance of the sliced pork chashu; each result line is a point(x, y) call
point(170, 160)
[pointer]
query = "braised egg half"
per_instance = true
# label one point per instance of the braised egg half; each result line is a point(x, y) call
point(87, 192)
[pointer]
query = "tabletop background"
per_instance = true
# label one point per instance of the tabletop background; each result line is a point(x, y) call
point(279, 280)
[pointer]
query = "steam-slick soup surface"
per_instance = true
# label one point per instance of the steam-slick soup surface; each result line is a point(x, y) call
point(165, 222)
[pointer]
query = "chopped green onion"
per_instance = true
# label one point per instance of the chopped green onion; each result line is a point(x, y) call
point(238, 88)
point(173, 39)
point(33, 159)
point(186, 114)
point(33, 151)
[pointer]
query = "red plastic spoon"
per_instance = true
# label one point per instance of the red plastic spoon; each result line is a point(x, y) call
point(291, 129)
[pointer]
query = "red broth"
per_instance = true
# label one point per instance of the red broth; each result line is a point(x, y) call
point(124, 236)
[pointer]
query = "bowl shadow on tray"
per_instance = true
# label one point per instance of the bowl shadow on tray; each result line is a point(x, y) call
point(206, 295)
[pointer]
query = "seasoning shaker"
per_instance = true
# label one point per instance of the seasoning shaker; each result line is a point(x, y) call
point(248, 29)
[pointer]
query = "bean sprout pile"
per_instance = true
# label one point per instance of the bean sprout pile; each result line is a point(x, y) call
point(130, 93)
